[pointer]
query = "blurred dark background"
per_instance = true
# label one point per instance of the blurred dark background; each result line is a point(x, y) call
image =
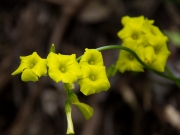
point(136, 103)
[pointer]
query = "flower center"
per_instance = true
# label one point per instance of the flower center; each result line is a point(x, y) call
point(131, 56)
point(92, 78)
point(91, 62)
point(156, 51)
point(62, 69)
point(134, 37)
point(148, 62)
point(32, 65)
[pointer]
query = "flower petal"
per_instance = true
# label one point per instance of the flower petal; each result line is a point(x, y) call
point(55, 74)
point(92, 57)
point(87, 86)
point(29, 75)
point(20, 69)
point(53, 59)
point(74, 69)
point(68, 77)
point(40, 68)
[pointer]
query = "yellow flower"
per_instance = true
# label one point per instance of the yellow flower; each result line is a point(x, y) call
point(138, 20)
point(31, 67)
point(127, 62)
point(63, 68)
point(146, 40)
point(92, 57)
point(149, 55)
point(132, 30)
point(94, 79)
point(162, 54)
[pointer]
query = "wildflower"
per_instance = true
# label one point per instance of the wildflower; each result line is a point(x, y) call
point(162, 53)
point(132, 30)
point(149, 55)
point(156, 38)
point(63, 68)
point(146, 40)
point(137, 20)
point(31, 67)
point(131, 33)
point(92, 57)
point(94, 79)
point(127, 62)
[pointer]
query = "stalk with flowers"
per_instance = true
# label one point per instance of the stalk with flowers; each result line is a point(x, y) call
point(143, 46)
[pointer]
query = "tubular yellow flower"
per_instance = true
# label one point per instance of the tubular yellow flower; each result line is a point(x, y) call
point(94, 79)
point(31, 67)
point(92, 57)
point(63, 68)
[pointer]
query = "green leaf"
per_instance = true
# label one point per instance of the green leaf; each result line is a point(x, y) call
point(86, 110)
point(174, 37)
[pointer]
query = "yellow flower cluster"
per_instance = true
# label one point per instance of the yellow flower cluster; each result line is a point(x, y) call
point(89, 73)
point(146, 40)
point(94, 78)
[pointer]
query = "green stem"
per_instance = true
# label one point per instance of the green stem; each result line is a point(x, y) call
point(111, 47)
point(67, 91)
point(168, 71)
point(171, 74)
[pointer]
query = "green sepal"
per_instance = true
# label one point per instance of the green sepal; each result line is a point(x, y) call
point(52, 49)
point(86, 110)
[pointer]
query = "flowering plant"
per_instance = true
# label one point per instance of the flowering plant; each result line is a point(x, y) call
point(143, 46)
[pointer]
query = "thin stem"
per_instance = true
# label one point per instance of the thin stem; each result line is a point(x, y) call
point(111, 47)
point(171, 74)
point(67, 91)
point(168, 71)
